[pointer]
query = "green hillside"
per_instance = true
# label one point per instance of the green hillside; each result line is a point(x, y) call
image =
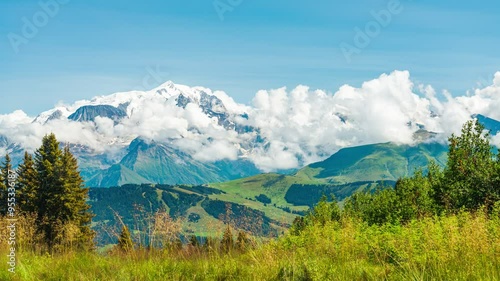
point(376, 162)
point(117, 175)
point(276, 199)
point(347, 171)
point(203, 209)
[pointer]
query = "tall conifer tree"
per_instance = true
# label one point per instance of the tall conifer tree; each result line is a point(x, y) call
point(125, 242)
point(60, 198)
point(4, 185)
point(27, 184)
point(75, 204)
point(3, 194)
point(47, 162)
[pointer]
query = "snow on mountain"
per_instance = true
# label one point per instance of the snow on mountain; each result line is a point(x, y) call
point(281, 129)
point(133, 101)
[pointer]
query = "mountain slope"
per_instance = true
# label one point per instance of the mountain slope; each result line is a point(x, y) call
point(90, 112)
point(165, 165)
point(199, 206)
point(160, 163)
point(345, 172)
point(116, 175)
point(376, 162)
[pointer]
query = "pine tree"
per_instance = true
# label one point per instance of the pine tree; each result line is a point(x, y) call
point(3, 194)
point(210, 244)
point(27, 184)
point(5, 170)
point(242, 241)
point(193, 241)
point(125, 240)
point(75, 207)
point(48, 198)
point(60, 198)
point(227, 241)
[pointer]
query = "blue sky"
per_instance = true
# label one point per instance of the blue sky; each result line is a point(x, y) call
point(96, 47)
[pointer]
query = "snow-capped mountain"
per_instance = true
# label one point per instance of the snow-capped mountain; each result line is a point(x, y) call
point(280, 130)
point(121, 153)
point(129, 102)
point(202, 108)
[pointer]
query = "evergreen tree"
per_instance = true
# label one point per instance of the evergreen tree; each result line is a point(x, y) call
point(193, 241)
point(210, 244)
point(75, 207)
point(125, 240)
point(242, 241)
point(227, 241)
point(298, 225)
point(3, 194)
point(27, 184)
point(60, 197)
point(4, 185)
point(48, 198)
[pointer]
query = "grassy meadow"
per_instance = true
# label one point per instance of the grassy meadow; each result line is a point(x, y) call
point(456, 247)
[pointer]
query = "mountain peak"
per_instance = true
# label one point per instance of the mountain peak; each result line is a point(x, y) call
point(169, 89)
point(165, 87)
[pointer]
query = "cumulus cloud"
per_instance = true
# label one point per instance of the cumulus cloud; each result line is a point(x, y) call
point(216, 150)
point(291, 127)
point(495, 140)
point(18, 128)
point(309, 125)
point(274, 157)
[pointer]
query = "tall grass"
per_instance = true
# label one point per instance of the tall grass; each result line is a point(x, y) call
point(456, 247)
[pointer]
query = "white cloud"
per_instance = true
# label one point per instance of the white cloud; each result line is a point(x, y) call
point(276, 156)
point(216, 150)
point(495, 140)
point(297, 126)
